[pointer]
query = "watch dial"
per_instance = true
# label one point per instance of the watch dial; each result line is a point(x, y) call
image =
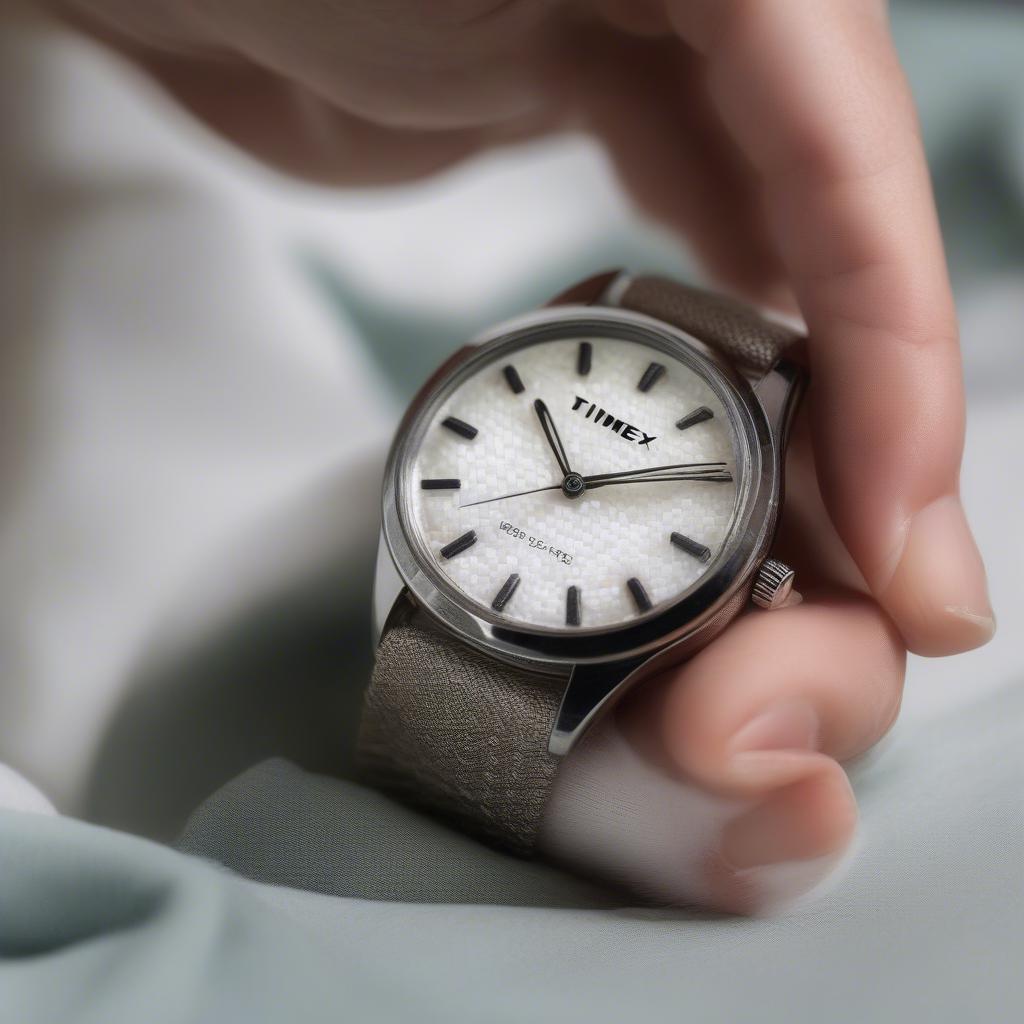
point(575, 483)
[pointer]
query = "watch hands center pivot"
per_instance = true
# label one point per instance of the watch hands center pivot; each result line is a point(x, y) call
point(573, 485)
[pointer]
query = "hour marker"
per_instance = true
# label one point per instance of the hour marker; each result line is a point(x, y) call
point(651, 376)
point(460, 427)
point(572, 606)
point(503, 596)
point(457, 546)
point(691, 547)
point(447, 484)
point(636, 588)
point(513, 379)
point(695, 417)
point(583, 359)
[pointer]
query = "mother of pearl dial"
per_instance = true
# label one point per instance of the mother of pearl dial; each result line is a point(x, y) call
point(552, 561)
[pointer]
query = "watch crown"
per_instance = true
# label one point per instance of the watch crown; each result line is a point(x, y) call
point(772, 585)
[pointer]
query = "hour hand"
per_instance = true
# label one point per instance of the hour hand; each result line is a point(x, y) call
point(551, 433)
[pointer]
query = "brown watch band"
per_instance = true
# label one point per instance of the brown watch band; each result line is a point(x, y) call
point(738, 331)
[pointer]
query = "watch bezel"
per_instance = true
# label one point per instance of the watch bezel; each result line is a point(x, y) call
point(556, 651)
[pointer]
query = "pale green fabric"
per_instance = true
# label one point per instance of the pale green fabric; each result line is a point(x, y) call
point(98, 926)
point(926, 924)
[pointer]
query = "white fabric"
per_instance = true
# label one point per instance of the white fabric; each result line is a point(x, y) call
point(170, 388)
point(18, 794)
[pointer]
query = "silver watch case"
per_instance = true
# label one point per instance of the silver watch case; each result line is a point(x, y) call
point(599, 662)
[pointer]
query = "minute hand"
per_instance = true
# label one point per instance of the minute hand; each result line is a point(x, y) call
point(714, 471)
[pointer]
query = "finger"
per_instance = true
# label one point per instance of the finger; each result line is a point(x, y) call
point(286, 125)
point(806, 539)
point(814, 817)
point(615, 814)
point(814, 96)
point(777, 698)
point(638, 17)
point(674, 158)
point(782, 847)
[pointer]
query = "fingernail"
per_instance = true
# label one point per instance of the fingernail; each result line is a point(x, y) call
point(939, 593)
point(767, 888)
point(774, 748)
point(758, 840)
point(787, 725)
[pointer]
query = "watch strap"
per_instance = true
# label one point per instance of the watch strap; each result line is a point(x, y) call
point(453, 730)
point(738, 331)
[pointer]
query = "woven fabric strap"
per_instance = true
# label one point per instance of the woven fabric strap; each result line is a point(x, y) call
point(731, 327)
point(449, 729)
point(452, 730)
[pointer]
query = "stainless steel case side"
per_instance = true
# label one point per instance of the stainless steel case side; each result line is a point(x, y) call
point(387, 587)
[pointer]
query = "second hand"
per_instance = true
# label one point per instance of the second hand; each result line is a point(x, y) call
point(712, 476)
point(518, 494)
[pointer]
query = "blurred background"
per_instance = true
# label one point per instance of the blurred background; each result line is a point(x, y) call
point(202, 363)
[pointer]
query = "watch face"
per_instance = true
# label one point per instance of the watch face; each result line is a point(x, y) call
point(575, 481)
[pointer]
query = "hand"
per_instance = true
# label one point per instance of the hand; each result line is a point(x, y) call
point(720, 117)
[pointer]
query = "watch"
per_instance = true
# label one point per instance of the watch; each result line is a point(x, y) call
point(581, 497)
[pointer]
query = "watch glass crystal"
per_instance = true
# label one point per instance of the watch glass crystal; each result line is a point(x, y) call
point(575, 482)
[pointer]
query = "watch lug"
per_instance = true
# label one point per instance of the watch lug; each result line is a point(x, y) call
point(387, 588)
point(591, 691)
point(779, 392)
